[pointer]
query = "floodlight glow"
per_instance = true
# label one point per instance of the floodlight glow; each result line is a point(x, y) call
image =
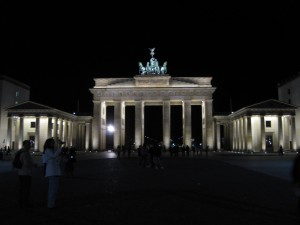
point(111, 128)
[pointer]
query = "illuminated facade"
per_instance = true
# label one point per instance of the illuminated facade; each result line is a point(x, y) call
point(148, 90)
point(22, 119)
point(261, 127)
point(36, 122)
point(153, 86)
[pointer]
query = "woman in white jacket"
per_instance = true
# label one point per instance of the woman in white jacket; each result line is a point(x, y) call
point(52, 158)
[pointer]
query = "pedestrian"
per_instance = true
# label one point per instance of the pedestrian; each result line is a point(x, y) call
point(52, 158)
point(119, 151)
point(281, 152)
point(206, 150)
point(25, 174)
point(71, 159)
point(296, 177)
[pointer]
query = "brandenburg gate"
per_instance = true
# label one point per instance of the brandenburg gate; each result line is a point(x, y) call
point(152, 87)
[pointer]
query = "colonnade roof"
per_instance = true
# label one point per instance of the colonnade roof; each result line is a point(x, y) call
point(36, 109)
point(268, 107)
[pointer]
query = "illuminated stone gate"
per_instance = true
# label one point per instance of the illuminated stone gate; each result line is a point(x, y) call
point(152, 87)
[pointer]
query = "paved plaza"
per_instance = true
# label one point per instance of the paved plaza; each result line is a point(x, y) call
point(217, 189)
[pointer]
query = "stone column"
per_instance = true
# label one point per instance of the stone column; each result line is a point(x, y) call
point(49, 128)
point(238, 134)
point(123, 110)
point(285, 133)
point(82, 136)
point(16, 133)
point(293, 128)
point(78, 133)
point(249, 133)
point(9, 132)
point(87, 136)
point(243, 133)
point(37, 134)
point(218, 136)
point(96, 126)
point(117, 124)
point(207, 123)
point(166, 124)
point(279, 130)
point(60, 132)
point(234, 145)
point(139, 123)
point(204, 141)
point(55, 128)
point(21, 132)
point(66, 136)
point(263, 133)
point(71, 133)
point(103, 125)
point(187, 125)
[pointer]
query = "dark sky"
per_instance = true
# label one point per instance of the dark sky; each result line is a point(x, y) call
point(58, 49)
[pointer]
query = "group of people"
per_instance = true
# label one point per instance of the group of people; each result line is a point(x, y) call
point(185, 150)
point(150, 155)
point(54, 153)
point(53, 156)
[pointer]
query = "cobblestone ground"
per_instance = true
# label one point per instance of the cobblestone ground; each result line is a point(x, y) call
point(106, 190)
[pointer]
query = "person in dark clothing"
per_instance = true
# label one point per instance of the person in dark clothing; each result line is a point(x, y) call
point(71, 159)
point(119, 151)
point(280, 151)
point(206, 150)
point(25, 174)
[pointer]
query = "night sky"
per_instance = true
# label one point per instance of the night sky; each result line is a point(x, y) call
point(57, 49)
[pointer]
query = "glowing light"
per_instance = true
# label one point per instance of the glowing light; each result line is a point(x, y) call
point(111, 128)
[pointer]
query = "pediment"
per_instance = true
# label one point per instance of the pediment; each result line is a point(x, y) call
point(29, 105)
point(271, 104)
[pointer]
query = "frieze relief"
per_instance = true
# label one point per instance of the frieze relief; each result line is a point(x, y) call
point(154, 93)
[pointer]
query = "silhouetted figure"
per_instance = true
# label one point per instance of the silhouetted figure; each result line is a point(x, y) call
point(206, 150)
point(123, 150)
point(156, 152)
point(71, 159)
point(119, 151)
point(193, 150)
point(128, 149)
point(25, 174)
point(144, 155)
point(280, 151)
point(187, 149)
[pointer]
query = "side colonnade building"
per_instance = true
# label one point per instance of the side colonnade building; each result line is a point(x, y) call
point(262, 127)
point(37, 122)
